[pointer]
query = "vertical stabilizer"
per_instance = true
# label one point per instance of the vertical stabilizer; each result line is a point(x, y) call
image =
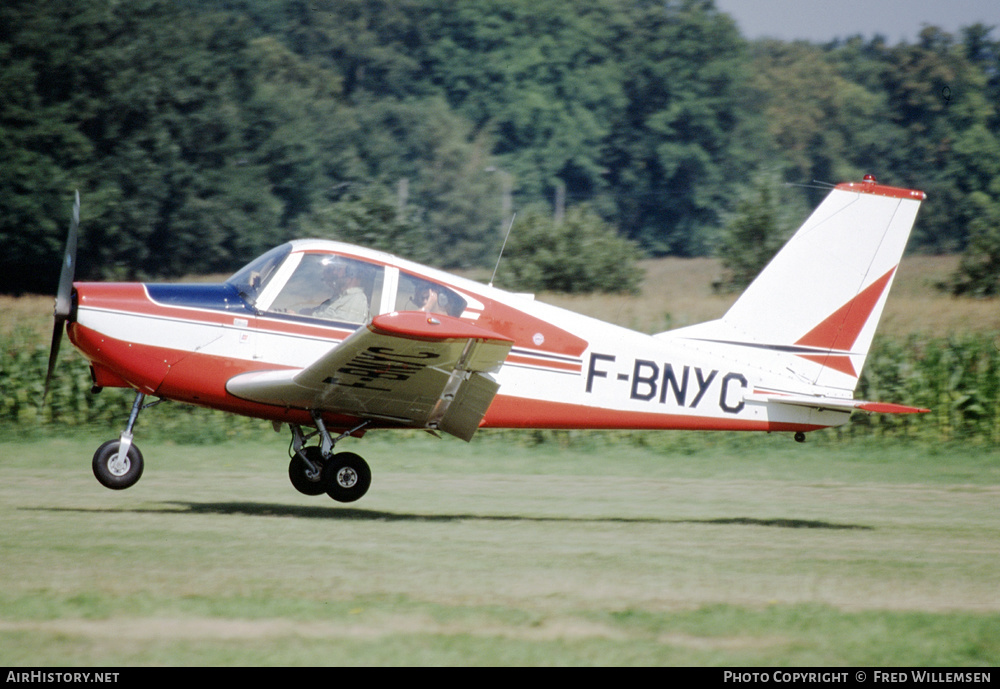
point(812, 312)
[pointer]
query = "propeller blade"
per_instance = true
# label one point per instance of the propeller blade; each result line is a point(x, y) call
point(57, 332)
point(64, 295)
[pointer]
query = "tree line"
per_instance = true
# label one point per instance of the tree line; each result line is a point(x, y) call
point(202, 133)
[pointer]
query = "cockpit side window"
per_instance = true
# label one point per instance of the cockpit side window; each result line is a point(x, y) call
point(334, 288)
point(419, 294)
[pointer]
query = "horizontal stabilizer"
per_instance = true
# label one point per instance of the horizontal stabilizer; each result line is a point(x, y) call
point(824, 403)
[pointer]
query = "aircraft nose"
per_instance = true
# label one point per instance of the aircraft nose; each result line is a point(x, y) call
point(73, 303)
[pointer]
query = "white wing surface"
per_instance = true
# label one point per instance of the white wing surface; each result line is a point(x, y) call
point(407, 368)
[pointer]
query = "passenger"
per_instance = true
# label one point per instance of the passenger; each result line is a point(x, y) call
point(426, 297)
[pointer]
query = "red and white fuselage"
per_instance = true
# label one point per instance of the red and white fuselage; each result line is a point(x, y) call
point(786, 357)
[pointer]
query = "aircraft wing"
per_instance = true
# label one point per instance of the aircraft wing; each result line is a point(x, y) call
point(825, 403)
point(410, 368)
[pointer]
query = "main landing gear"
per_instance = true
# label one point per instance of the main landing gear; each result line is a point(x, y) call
point(314, 470)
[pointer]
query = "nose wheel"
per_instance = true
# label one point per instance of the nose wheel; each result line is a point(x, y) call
point(117, 467)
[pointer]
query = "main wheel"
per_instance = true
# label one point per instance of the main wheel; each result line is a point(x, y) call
point(348, 477)
point(115, 471)
point(298, 472)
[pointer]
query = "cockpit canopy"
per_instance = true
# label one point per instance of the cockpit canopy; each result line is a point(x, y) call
point(318, 281)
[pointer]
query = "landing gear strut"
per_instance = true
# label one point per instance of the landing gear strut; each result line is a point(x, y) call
point(313, 470)
point(118, 463)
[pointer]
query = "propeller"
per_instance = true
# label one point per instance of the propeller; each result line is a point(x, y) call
point(64, 296)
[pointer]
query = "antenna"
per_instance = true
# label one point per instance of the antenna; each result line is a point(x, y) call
point(815, 184)
point(504, 246)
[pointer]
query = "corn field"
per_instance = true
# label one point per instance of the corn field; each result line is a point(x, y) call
point(957, 378)
point(71, 404)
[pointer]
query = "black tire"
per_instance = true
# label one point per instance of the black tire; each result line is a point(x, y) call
point(297, 472)
point(348, 477)
point(115, 474)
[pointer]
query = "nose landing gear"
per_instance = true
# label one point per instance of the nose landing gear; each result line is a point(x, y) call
point(118, 463)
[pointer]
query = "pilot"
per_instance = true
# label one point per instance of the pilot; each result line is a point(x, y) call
point(349, 301)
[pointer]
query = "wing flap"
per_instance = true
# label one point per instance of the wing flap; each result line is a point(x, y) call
point(460, 415)
point(409, 368)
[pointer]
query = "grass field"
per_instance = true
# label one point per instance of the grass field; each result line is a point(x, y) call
point(688, 549)
point(746, 551)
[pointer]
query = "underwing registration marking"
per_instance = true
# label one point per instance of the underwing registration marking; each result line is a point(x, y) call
point(381, 364)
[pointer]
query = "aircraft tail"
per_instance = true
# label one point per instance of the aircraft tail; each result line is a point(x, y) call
point(811, 314)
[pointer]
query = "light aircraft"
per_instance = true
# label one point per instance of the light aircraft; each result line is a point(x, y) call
point(336, 340)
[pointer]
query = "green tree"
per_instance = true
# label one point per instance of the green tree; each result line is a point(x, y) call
point(300, 128)
point(751, 239)
point(441, 163)
point(826, 126)
point(978, 274)
point(143, 105)
point(40, 145)
point(542, 76)
point(579, 254)
point(937, 97)
point(672, 156)
point(375, 45)
point(374, 220)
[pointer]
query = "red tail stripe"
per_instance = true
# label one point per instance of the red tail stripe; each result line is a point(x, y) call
point(840, 330)
point(836, 362)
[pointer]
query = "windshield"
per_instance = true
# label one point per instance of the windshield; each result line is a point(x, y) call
point(252, 278)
